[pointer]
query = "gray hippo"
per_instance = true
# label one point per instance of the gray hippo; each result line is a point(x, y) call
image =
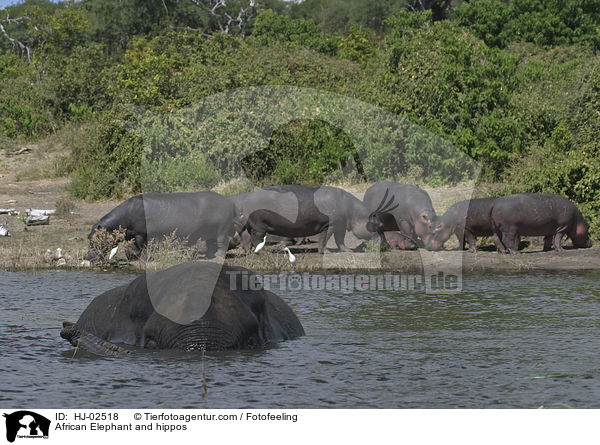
point(414, 213)
point(205, 215)
point(245, 204)
point(191, 306)
point(537, 214)
point(296, 211)
point(466, 219)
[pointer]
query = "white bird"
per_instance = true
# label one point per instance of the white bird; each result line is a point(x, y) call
point(113, 252)
point(292, 256)
point(4, 231)
point(59, 253)
point(261, 245)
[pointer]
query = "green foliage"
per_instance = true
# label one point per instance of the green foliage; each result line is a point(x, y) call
point(554, 22)
point(358, 45)
point(106, 158)
point(407, 22)
point(146, 77)
point(25, 109)
point(456, 86)
point(179, 173)
point(339, 15)
point(302, 152)
point(270, 28)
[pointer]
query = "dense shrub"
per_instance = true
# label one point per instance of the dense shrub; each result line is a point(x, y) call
point(453, 84)
point(270, 28)
point(544, 22)
point(302, 152)
point(106, 158)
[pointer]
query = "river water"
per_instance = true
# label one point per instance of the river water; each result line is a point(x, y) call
point(518, 340)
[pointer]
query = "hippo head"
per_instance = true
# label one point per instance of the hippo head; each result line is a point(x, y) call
point(439, 233)
point(581, 238)
point(424, 222)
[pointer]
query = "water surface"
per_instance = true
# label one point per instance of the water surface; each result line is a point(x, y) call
point(507, 341)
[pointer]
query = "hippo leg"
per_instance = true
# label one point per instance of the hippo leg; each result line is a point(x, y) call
point(511, 241)
point(471, 240)
point(246, 240)
point(140, 242)
point(499, 244)
point(222, 245)
point(339, 234)
point(547, 243)
point(211, 248)
point(323, 238)
point(557, 239)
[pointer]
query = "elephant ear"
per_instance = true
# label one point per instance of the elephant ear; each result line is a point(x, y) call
point(281, 322)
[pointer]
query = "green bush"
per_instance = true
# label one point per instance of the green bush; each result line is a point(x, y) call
point(270, 28)
point(179, 173)
point(302, 152)
point(106, 158)
point(454, 85)
point(544, 22)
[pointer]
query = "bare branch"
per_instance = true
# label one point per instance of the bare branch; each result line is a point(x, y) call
point(224, 20)
point(15, 43)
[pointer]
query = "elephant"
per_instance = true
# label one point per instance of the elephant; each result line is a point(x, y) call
point(190, 306)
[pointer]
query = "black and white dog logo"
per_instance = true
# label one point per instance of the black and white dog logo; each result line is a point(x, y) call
point(26, 424)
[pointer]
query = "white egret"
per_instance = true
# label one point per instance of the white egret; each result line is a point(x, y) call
point(261, 245)
point(292, 257)
point(113, 252)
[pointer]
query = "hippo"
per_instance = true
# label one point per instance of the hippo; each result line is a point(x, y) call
point(244, 206)
point(297, 211)
point(466, 219)
point(414, 213)
point(190, 306)
point(397, 240)
point(537, 214)
point(205, 215)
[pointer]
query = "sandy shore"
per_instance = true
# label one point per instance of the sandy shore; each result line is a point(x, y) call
point(25, 180)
